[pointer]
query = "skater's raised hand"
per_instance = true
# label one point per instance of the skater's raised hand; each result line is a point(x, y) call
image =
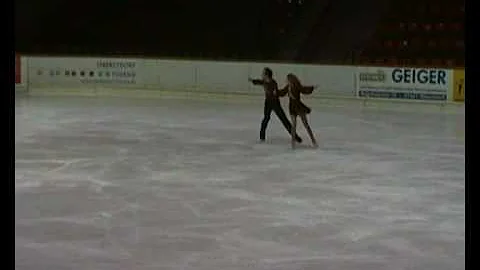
point(256, 81)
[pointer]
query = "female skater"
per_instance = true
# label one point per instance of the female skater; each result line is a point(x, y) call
point(296, 107)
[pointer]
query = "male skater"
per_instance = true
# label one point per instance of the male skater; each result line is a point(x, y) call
point(272, 102)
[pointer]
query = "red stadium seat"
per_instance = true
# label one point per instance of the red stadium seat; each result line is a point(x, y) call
point(412, 27)
point(456, 26)
point(396, 44)
point(439, 26)
point(427, 27)
point(450, 63)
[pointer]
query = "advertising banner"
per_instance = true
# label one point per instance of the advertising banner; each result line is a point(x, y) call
point(85, 71)
point(403, 83)
point(458, 86)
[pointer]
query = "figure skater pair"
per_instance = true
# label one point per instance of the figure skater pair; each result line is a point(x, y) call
point(293, 89)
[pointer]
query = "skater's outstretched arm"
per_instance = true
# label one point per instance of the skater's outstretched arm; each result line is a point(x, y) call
point(306, 90)
point(256, 81)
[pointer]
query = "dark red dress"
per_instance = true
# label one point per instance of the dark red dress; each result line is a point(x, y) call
point(296, 106)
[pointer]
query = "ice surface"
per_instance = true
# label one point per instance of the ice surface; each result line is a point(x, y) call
point(167, 184)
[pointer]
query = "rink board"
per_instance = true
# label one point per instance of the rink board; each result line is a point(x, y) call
point(397, 83)
point(21, 66)
point(83, 75)
point(179, 75)
point(73, 72)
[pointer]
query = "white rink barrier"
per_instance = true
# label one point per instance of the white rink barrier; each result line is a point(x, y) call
point(179, 75)
point(21, 73)
point(148, 77)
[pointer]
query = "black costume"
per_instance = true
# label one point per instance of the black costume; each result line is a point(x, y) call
point(296, 106)
point(272, 102)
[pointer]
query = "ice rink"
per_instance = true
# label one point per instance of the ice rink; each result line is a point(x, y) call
point(117, 184)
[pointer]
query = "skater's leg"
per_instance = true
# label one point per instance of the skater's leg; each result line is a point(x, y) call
point(283, 118)
point(267, 111)
point(293, 130)
point(309, 130)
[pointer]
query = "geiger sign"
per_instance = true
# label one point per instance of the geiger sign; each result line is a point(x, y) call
point(459, 85)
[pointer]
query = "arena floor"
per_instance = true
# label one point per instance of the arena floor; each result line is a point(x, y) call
point(110, 184)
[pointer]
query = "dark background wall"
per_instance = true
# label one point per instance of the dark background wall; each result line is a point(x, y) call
point(173, 28)
point(407, 32)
